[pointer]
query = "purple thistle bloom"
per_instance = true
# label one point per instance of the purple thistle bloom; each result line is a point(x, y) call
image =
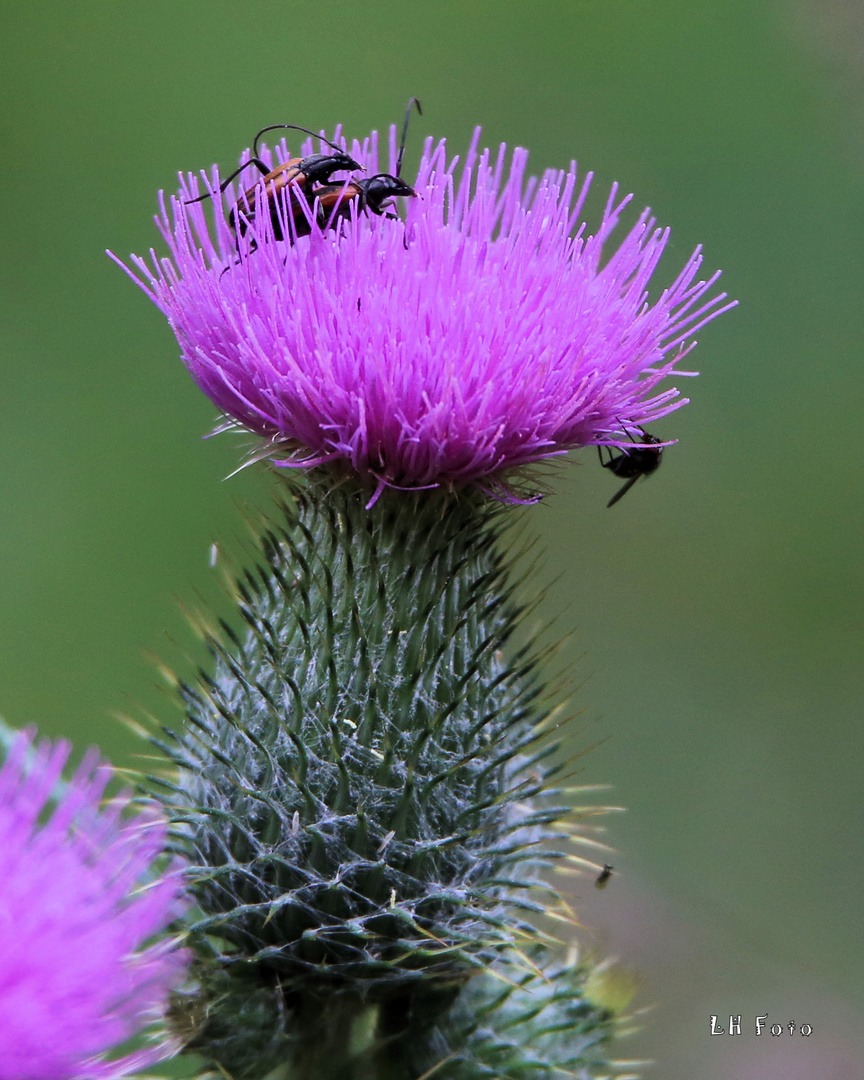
point(486, 332)
point(78, 898)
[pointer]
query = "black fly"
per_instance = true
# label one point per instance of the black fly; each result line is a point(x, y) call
point(633, 462)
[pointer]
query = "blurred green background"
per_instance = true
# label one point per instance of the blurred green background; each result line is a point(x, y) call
point(717, 610)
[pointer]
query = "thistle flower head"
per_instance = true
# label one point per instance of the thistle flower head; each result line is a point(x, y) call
point(78, 898)
point(488, 330)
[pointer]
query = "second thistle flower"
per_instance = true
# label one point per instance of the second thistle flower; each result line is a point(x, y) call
point(84, 891)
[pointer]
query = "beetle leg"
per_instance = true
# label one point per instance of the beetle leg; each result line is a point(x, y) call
point(623, 491)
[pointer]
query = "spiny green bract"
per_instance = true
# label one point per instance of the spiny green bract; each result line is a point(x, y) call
point(362, 793)
point(513, 1024)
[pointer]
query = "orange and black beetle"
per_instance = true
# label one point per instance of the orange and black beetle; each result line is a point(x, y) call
point(298, 175)
point(633, 462)
point(374, 193)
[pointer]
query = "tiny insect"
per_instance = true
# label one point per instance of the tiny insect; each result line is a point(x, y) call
point(633, 462)
point(375, 193)
point(298, 175)
point(603, 877)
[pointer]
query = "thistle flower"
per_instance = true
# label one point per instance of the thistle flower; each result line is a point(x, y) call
point(78, 898)
point(487, 331)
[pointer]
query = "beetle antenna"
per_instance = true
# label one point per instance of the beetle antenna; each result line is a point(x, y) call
point(294, 127)
point(262, 168)
point(414, 101)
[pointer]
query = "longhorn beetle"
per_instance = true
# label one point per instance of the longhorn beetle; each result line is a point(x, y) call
point(373, 193)
point(297, 174)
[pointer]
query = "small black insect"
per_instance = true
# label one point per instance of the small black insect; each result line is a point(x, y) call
point(633, 462)
point(603, 877)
